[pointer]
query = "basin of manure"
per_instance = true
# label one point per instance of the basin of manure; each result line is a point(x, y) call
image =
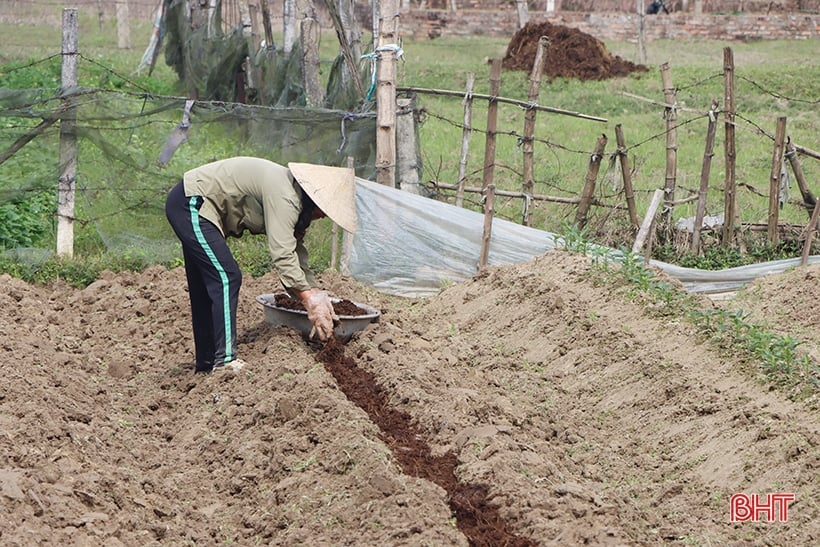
point(282, 310)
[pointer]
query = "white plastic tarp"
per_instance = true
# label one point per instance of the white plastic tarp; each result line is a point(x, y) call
point(410, 245)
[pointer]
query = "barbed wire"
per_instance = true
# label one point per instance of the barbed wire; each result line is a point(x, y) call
point(699, 83)
point(7, 70)
point(114, 72)
point(775, 94)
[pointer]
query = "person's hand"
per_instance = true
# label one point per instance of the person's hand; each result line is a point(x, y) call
point(320, 312)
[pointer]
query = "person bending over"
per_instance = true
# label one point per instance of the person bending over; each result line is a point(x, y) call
point(229, 197)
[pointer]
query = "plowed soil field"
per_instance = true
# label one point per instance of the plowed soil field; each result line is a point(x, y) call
point(564, 414)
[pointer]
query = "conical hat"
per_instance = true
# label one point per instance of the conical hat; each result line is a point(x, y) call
point(332, 189)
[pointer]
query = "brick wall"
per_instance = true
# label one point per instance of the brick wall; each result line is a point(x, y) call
point(419, 24)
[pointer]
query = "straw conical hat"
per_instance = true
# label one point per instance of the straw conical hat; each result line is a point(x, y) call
point(332, 189)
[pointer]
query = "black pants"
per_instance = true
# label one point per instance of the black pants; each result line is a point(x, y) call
point(214, 279)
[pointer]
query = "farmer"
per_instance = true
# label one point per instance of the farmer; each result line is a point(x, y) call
point(226, 198)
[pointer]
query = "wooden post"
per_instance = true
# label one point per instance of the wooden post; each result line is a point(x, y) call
point(529, 127)
point(246, 19)
point(810, 229)
point(774, 179)
point(288, 26)
point(344, 22)
point(407, 159)
point(266, 23)
point(671, 115)
point(523, 13)
point(466, 133)
point(729, 184)
point(255, 27)
point(626, 174)
point(589, 182)
point(489, 212)
point(492, 122)
point(809, 200)
point(488, 187)
point(68, 137)
point(386, 94)
point(641, 32)
point(123, 25)
point(648, 221)
point(314, 94)
point(704, 177)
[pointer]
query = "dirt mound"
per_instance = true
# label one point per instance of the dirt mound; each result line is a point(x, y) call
point(571, 54)
point(584, 419)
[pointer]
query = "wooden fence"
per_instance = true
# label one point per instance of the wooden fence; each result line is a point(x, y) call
point(785, 152)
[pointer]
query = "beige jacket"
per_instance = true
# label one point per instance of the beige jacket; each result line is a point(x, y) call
point(259, 196)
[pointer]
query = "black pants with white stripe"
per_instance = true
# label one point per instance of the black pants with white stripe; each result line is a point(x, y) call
point(214, 279)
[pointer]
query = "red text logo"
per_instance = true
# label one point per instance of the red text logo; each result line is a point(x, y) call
point(751, 507)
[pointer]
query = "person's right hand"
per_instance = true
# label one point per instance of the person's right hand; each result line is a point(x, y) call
point(320, 312)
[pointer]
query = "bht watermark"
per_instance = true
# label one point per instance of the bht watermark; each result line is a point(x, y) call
point(768, 507)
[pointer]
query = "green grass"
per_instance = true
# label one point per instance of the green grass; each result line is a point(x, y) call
point(776, 78)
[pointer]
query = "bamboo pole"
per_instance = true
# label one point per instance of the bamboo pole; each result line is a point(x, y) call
point(512, 194)
point(704, 177)
point(529, 126)
point(626, 175)
point(671, 116)
point(810, 229)
point(648, 221)
point(730, 185)
point(808, 198)
point(68, 137)
point(490, 97)
point(774, 179)
point(466, 133)
point(589, 182)
point(386, 94)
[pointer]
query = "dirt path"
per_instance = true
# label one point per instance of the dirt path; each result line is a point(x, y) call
point(586, 419)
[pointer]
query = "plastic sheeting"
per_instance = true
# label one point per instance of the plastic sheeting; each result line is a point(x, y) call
point(410, 245)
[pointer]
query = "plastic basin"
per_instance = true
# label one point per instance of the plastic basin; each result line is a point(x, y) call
point(347, 326)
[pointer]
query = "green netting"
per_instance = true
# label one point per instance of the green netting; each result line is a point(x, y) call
point(121, 183)
point(133, 146)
